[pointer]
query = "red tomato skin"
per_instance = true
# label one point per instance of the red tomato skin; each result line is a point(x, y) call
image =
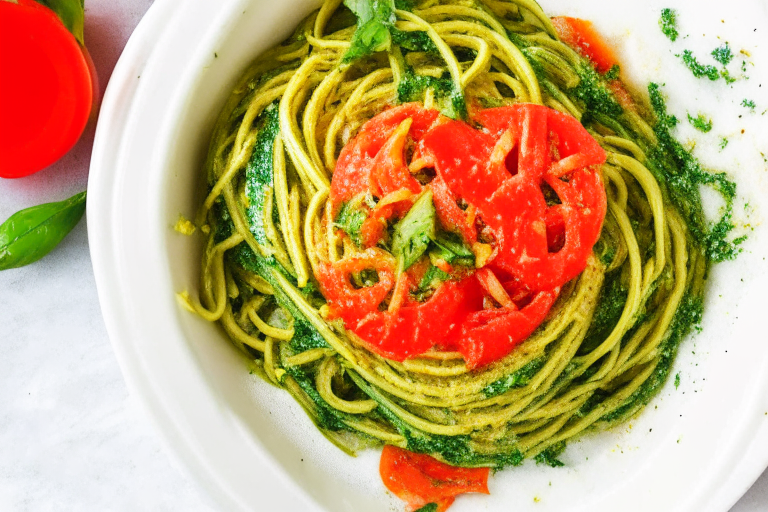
point(346, 302)
point(581, 35)
point(357, 169)
point(499, 171)
point(417, 327)
point(517, 213)
point(448, 212)
point(46, 106)
point(489, 335)
point(419, 479)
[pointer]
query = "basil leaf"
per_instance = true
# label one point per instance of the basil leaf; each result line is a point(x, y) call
point(305, 335)
point(32, 233)
point(450, 248)
point(351, 218)
point(369, 38)
point(413, 234)
point(71, 13)
point(375, 19)
point(259, 174)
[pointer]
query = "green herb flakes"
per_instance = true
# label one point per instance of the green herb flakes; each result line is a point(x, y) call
point(668, 24)
point(700, 122)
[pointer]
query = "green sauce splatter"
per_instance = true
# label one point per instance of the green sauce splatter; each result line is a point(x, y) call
point(668, 24)
point(699, 70)
point(700, 122)
point(748, 104)
point(723, 54)
point(549, 456)
point(677, 380)
point(681, 175)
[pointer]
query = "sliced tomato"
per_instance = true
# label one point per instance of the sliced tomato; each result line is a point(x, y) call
point(46, 92)
point(374, 161)
point(350, 303)
point(459, 154)
point(451, 217)
point(419, 479)
point(491, 334)
point(529, 188)
point(417, 327)
point(581, 35)
point(525, 227)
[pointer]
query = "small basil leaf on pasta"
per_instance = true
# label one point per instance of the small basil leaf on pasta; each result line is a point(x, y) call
point(413, 234)
point(32, 233)
point(375, 18)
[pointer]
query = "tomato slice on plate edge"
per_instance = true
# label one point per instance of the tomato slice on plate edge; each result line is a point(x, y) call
point(420, 479)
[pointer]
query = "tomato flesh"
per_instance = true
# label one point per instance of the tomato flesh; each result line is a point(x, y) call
point(46, 93)
point(526, 184)
point(582, 36)
point(419, 479)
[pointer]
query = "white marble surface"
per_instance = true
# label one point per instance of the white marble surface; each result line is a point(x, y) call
point(71, 436)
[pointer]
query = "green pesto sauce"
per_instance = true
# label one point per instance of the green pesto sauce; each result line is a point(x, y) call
point(698, 69)
point(668, 24)
point(414, 41)
point(429, 507)
point(610, 306)
point(687, 317)
point(517, 379)
point(681, 174)
point(325, 416)
point(613, 73)
point(456, 450)
point(723, 54)
point(748, 104)
point(259, 175)
point(700, 122)
point(677, 380)
point(449, 95)
point(551, 454)
point(594, 93)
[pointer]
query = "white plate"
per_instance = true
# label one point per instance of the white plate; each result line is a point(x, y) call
point(697, 448)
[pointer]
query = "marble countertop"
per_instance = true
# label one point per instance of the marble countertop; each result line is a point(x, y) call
point(71, 435)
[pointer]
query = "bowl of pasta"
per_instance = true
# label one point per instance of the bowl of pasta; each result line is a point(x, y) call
point(412, 255)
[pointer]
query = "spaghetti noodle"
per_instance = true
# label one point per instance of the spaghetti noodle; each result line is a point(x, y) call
point(607, 344)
